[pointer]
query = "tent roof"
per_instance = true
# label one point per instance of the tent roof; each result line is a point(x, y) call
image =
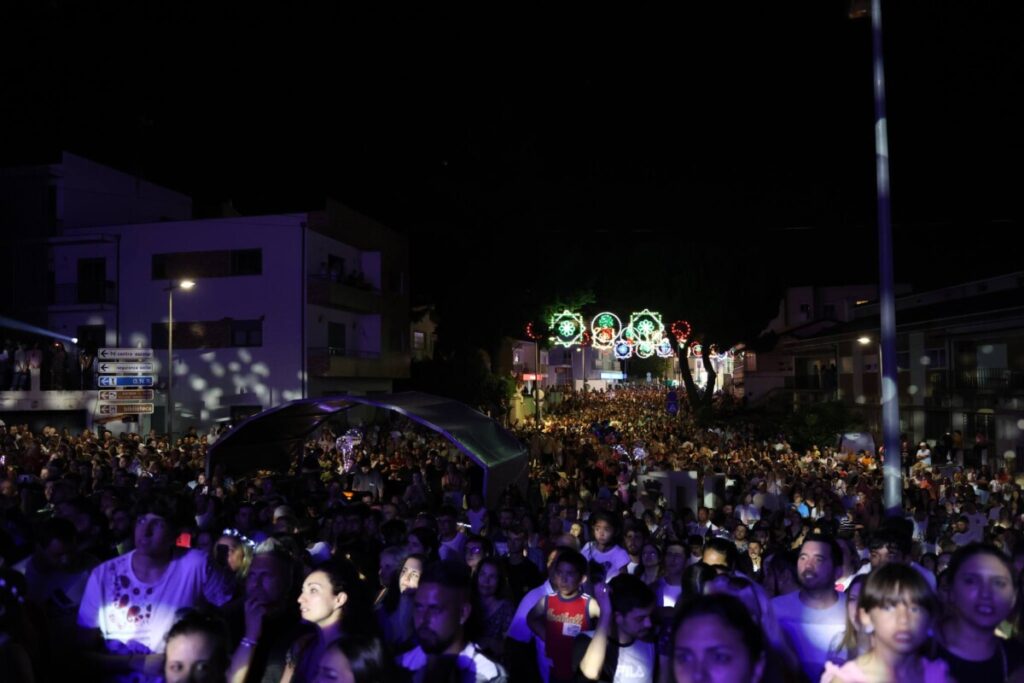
point(271, 439)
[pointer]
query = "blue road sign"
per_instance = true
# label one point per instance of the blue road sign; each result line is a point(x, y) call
point(115, 381)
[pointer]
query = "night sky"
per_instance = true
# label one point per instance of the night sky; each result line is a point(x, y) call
point(697, 163)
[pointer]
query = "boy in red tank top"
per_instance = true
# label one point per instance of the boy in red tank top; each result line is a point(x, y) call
point(557, 619)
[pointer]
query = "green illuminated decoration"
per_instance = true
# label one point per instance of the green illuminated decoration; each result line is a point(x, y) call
point(568, 328)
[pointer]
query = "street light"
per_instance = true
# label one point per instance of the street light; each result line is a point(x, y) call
point(185, 285)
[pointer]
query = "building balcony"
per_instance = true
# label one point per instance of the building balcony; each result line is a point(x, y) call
point(322, 291)
point(84, 294)
point(337, 362)
point(996, 380)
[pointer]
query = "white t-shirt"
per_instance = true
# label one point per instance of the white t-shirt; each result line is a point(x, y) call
point(133, 616)
point(519, 629)
point(636, 663)
point(613, 560)
point(473, 664)
point(811, 631)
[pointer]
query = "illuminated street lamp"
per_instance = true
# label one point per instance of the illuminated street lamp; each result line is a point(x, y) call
point(185, 285)
point(863, 341)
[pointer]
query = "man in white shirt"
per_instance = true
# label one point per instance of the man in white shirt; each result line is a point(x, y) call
point(813, 616)
point(131, 601)
point(618, 650)
point(441, 609)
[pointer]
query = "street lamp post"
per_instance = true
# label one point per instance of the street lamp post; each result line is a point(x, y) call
point(186, 285)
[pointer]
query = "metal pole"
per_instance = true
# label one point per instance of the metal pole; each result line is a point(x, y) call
point(170, 365)
point(893, 486)
point(536, 380)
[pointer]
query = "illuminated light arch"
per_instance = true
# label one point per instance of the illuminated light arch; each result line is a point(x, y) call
point(623, 350)
point(681, 330)
point(605, 329)
point(696, 350)
point(664, 348)
point(647, 325)
point(532, 333)
point(645, 349)
point(567, 328)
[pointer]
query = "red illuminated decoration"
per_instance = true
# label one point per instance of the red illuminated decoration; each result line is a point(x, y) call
point(531, 333)
point(681, 330)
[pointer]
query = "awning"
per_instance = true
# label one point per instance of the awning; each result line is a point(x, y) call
point(273, 439)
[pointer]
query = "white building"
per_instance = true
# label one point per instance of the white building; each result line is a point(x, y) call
point(284, 307)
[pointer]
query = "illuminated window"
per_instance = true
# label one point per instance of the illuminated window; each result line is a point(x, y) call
point(419, 342)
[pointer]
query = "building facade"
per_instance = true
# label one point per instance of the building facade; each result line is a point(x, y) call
point(960, 360)
point(284, 307)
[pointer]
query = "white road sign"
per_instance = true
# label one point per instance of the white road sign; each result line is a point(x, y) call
point(125, 354)
point(106, 368)
point(126, 394)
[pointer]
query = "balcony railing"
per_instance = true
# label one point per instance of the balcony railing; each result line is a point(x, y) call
point(84, 293)
point(330, 361)
point(988, 379)
point(323, 291)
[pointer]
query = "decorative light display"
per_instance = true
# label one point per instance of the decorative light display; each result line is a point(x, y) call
point(696, 350)
point(532, 333)
point(664, 348)
point(681, 330)
point(605, 328)
point(647, 325)
point(623, 350)
point(645, 349)
point(567, 327)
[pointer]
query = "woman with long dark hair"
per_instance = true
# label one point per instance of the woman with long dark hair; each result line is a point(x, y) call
point(334, 600)
point(981, 594)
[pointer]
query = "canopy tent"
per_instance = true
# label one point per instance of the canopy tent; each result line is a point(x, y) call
point(273, 439)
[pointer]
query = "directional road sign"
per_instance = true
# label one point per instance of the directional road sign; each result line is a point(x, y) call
point(126, 408)
point(125, 354)
point(126, 394)
point(112, 381)
point(107, 368)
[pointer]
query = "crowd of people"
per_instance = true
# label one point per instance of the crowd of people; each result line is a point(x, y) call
point(379, 558)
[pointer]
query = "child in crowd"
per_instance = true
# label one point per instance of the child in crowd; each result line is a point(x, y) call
point(897, 608)
point(558, 618)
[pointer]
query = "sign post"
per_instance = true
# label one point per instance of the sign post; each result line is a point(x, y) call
point(132, 369)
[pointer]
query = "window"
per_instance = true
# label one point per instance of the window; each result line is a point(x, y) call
point(336, 337)
point(247, 333)
point(419, 342)
point(936, 358)
point(207, 264)
point(92, 281)
point(247, 262)
point(209, 334)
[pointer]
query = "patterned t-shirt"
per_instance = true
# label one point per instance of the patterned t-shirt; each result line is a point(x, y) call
point(134, 616)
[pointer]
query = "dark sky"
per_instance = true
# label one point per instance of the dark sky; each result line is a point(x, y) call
point(699, 162)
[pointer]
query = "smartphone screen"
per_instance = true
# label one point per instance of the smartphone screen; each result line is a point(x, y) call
point(184, 540)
